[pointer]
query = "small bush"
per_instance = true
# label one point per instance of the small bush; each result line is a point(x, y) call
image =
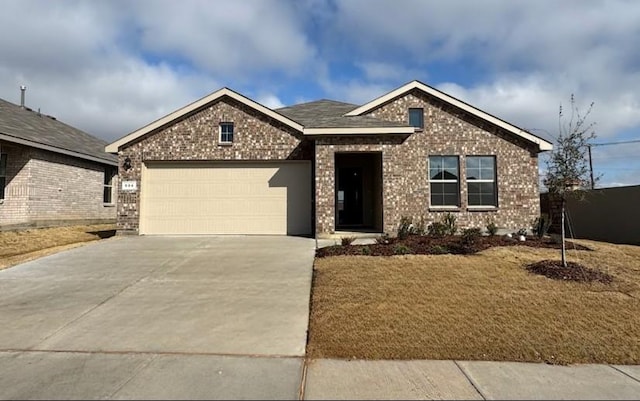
point(449, 221)
point(436, 229)
point(438, 250)
point(522, 231)
point(420, 227)
point(492, 228)
point(470, 236)
point(346, 241)
point(401, 249)
point(405, 227)
point(541, 225)
point(365, 250)
point(383, 239)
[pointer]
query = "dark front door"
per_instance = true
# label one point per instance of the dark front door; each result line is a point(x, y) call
point(349, 196)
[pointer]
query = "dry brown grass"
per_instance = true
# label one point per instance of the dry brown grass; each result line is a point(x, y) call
point(21, 246)
point(477, 307)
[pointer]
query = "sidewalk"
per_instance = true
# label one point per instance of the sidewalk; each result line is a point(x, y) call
point(341, 379)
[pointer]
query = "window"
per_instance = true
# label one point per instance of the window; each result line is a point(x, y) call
point(416, 118)
point(107, 193)
point(481, 181)
point(3, 173)
point(444, 181)
point(226, 133)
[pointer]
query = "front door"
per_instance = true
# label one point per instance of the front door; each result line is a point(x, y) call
point(349, 196)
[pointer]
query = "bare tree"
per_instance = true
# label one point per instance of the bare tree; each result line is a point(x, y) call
point(568, 165)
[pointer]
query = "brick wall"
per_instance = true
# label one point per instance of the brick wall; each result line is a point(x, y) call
point(13, 209)
point(195, 137)
point(447, 131)
point(66, 188)
point(48, 188)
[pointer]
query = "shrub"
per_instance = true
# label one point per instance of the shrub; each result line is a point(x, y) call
point(522, 231)
point(405, 227)
point(438, 250)
point(365, 250)
point(436, 229)
point(449, 221)
point(470, 236)
point(541, 225)
point(492, 228)
point(420, 227)
point(345, 241)
point(401, 249)
point(383, 239)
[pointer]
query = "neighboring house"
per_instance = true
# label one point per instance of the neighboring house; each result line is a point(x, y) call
point(52, 173)
point(228, 165)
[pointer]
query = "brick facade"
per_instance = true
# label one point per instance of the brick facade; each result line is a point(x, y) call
point(256, 137)
point(404, 166)
point(13, 209)
point(45, 188)
point(405, 186)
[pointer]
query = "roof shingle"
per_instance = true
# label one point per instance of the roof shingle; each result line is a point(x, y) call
point(36, 128)
point(331, 114)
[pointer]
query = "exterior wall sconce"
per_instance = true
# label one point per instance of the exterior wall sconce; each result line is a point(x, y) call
point(126, 164)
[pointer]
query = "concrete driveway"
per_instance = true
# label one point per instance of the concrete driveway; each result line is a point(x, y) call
point(158, 317)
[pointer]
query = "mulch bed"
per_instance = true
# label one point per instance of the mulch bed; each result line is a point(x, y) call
point(572, 272)
point(428, 245)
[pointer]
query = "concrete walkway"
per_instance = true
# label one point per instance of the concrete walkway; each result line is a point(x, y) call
point(406, 380)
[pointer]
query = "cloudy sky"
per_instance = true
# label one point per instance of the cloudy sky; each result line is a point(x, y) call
point(109, 67)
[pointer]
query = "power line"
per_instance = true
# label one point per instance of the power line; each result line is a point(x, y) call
point(614, 143)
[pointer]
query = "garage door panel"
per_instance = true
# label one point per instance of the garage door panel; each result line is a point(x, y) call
point(213, 198)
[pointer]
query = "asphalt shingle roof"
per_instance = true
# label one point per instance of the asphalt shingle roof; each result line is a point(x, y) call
point(330, 114)
point(41, 129)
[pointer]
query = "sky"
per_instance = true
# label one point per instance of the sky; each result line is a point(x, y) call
point(110, 67)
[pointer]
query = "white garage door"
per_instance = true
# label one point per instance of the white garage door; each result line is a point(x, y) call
point(226, 198)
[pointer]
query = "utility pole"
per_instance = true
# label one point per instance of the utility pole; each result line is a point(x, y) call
point(590, 167)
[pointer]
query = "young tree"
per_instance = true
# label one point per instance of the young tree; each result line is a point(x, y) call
point(568, 166)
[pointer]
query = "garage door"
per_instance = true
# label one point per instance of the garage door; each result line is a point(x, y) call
point(226, 198)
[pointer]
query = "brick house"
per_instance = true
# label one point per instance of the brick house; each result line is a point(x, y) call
point(228, 165)
point(51, 173)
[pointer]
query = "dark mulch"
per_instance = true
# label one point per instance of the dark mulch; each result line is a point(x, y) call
point(427, 245)
point(573, 272)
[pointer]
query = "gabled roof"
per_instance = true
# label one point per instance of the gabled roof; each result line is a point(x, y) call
point(26, 127)
point(328, 117)
point(113, 147)
point(413, 85)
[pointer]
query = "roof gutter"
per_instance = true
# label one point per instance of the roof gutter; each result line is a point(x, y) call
point(358, 131)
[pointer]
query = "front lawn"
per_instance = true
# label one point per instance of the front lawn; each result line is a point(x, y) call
point(484, 306)
point(20, 246)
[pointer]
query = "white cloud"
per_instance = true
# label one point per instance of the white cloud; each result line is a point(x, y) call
point(532, 55)
point(230, 37)
point(111, 67)
point(533, 102)
point(270, 100)
point(387, 72)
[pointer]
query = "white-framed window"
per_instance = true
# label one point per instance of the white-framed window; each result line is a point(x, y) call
point(444, 181)
point(481, 181)
point(416, 117)
point(3, 174)
point(107, 192)
point(225, 134)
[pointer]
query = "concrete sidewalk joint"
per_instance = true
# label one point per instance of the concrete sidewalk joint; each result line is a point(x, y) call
point(473, 383)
